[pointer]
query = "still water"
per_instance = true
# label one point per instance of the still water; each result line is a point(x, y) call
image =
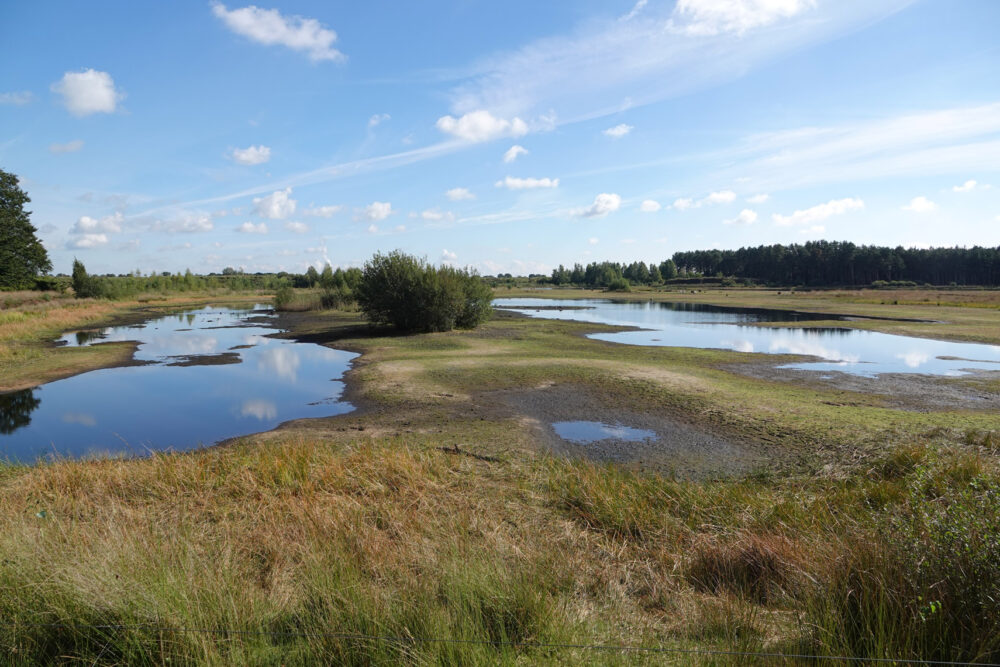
point(836, 348)
point(584, 432)
point(208, 375)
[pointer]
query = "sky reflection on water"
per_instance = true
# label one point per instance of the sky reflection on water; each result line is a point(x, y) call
point(163, 405)
point(854, 351)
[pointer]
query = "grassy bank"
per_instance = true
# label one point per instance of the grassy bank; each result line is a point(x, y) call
point(30, 321)
point(436, 512)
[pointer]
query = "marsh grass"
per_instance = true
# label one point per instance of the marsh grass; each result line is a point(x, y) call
point(270, 550)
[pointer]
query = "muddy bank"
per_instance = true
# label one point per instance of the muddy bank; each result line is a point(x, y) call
point(681, 449)
point(902, 391)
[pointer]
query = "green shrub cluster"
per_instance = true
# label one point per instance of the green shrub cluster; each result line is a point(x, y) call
point(413, 295)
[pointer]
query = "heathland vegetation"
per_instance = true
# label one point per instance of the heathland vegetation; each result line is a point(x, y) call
point(437, 513)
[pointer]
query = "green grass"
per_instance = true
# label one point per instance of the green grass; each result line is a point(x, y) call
point(871, 531)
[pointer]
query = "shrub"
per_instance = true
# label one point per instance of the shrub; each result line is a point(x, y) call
point(336, 297)
point(412, 295)
point(619, 285)
point(283, 297)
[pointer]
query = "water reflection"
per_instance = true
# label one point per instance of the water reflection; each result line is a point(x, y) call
point(162, 405)
point(585, 432)
point(16, 408)
point(696, 325)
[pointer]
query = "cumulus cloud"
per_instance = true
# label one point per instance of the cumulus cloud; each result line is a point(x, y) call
point(377, 119)
point(683, 203)
point(111, 224)
point(276, 206)
point(618, 131)
point(250, 228)
point(323, 211)
point(512, 183)
point(920, 205)
point(458, 194)
point(721, 197)
point(448, 255)
point(251, 155)
point(713, 17)
point(604, 203)
point(269, 27)
point(68, 147)
point(87, 241)
point(435, 215)
point(968, 186)
point(745, 217)
point(297, 227)
point(818, 212)
point(513, 152)
point(188, 223)
point(87, 92)
point(17, 99)
point(649, 206)
point(377, 210)
point(481, 125)
point(758, 199)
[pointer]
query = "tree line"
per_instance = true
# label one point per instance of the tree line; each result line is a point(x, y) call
point(815, 263)
point(844, 263)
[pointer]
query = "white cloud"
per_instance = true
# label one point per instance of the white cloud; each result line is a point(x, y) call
point(481, 125)
point(188, 223)
point(593, 240)
point(17, 99)
point(721, 197)
point(323, 211)
point(968, 186)
point(745, 217)
point(818, 212)
point(250, 228)
point(130, 246)
point(377, 119)
point(377, 210)
point(513, 152)
point(111, 224)
point(435, 215)
point(88, 92)
point(458, 194)
point(592, 67)
point(251, 155)
point(448, 255)
point(297, 227)
point(712, 17)
point(512, 183)
point(69, 147)
point(758, 199)
point(87, 241)
point(276, 206)
point(636, 8)
point(618, 131)
point(649, 206)
point(373, 229)
point(604, 203)
point(920, 205)
point(269, 27)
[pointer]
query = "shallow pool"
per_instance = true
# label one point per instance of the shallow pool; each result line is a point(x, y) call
point(208, 374)
point(842, 349)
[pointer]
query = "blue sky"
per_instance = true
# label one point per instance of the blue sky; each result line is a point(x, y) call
point(510, 137)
